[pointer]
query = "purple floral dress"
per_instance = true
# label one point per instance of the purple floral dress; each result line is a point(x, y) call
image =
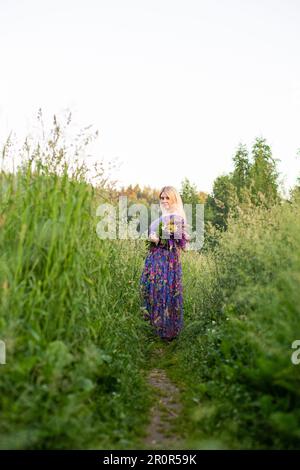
point(161, 279)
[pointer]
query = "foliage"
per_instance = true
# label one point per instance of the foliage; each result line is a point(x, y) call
point(69, 313)
point(242, 316)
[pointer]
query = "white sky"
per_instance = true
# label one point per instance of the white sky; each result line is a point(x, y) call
point(173, 86)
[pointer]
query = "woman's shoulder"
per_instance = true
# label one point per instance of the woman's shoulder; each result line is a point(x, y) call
point(173, 215)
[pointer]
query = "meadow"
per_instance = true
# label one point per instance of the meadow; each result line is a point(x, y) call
point(78, 349)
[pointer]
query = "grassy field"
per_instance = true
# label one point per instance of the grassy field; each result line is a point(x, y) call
point(69, 316)
point(77, 347)
point(242, 310)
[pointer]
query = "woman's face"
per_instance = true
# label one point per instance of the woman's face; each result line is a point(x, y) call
point(165, 201)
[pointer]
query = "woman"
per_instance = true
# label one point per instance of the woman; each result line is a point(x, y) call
point(161, 279)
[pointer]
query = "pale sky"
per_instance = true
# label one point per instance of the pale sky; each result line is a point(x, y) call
point(172, 86)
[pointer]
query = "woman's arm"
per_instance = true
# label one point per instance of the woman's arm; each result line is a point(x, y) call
point(153, 237)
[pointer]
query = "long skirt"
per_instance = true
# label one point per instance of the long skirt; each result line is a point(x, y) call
point(161, 291)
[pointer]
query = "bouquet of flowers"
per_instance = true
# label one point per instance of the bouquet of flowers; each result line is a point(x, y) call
point(169, 235)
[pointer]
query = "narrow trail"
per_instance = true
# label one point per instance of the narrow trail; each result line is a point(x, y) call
point(162, 431)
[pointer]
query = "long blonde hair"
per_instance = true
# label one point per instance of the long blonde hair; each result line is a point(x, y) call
point(175, 200)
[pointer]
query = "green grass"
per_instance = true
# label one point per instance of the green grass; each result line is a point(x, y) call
point(69, 316)
point(78, 350)
point(242, 315)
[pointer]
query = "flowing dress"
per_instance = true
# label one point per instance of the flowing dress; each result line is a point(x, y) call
point(161, 279)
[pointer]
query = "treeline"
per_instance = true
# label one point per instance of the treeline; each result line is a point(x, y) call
point(254, 182)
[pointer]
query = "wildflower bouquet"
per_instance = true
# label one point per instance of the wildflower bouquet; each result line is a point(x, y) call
point(169, 235)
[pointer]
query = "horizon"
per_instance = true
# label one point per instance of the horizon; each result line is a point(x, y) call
point(172, 89)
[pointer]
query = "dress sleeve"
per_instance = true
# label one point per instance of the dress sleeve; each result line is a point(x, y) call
point(184, 236)
point(154, 226)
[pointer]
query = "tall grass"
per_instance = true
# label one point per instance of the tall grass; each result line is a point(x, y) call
point(242, 316)
point(68, 315)
point(77, 346)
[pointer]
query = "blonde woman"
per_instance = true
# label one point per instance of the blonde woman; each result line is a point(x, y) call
point(161, 279)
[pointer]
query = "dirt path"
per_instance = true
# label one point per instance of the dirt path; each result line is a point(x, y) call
point(162, 432)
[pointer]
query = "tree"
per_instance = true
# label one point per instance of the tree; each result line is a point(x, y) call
point(241, 173)
point(295, 191)
point(223, 200)
point(190, 195)
point(263, 174)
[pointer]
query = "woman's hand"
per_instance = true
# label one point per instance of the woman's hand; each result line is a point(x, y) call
point(153, 237)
